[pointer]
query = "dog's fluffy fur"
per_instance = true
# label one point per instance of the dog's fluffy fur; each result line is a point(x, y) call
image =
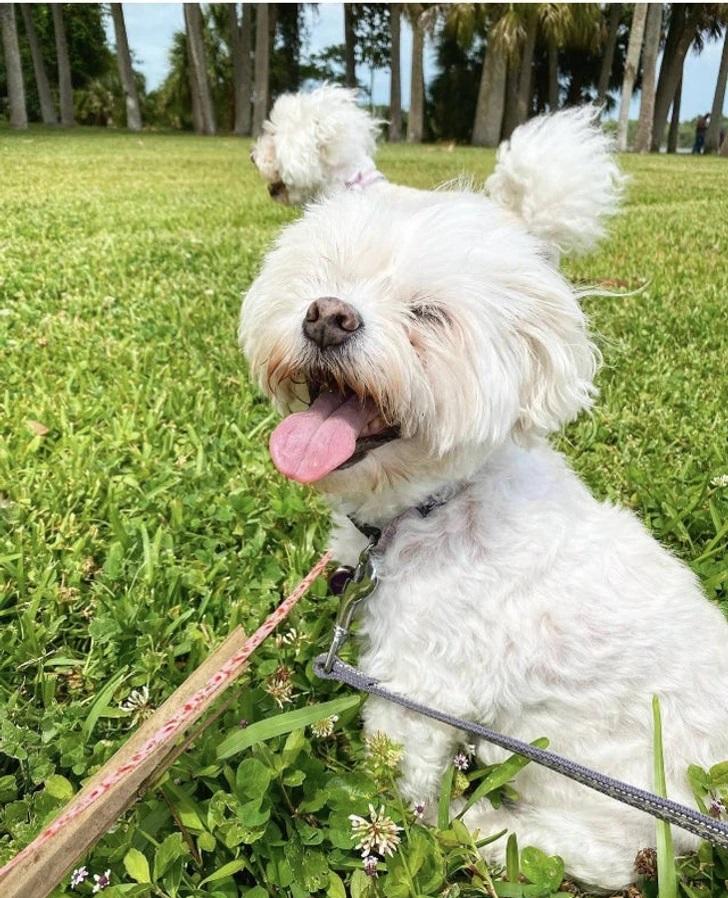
point(313, 143)
point(523, 602)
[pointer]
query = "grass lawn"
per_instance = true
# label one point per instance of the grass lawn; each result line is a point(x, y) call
point(140, 518)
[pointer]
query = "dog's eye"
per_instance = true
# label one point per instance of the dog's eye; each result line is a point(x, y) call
point(427, 313)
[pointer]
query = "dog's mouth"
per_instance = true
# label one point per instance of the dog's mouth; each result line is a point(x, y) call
point(339, 428)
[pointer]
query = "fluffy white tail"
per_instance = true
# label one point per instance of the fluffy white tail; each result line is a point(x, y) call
point(557, 173)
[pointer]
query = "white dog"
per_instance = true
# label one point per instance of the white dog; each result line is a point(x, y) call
point(315, 143)
point(437, 346)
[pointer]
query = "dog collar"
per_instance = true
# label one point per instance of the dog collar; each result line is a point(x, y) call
point(354, 584)
point(380, 537)
point(362, 179)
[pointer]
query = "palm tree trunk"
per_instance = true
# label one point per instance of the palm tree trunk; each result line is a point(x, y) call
point(262, 67)
point(674, 131)
point(525, 77)
point(491, 99)
point(712, 135)
point(349, 46)
point(553, 61)
point(630, 72)
point(615, 17)
point(240, 49)
point(246, 43)
point(683, 19)
point(723, 151)
point(395, 90)
point(126, 72)
point(416, 118)
point(47, 109)
point(653, 32)
point(199, 84)
point(510, 112)
point(65, 87)
point(13, 67)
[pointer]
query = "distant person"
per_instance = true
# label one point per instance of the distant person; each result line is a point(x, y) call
point(701, 126)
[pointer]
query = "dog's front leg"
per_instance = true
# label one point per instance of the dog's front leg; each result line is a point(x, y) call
point(428, 747)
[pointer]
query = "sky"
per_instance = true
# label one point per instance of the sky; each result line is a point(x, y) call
point(150, 27)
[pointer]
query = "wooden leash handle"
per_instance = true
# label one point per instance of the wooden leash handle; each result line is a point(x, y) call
point(41, 865)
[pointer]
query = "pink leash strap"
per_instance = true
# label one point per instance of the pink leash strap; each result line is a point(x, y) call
point(219, 681)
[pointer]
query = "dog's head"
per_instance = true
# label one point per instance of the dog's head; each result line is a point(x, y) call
point(419, 331)
point(313, 143)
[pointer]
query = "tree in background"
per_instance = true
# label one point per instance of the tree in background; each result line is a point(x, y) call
point(712, 136)
point(630, 72)
point(126, 72)
point(65, 86)
point(262, 67)
point(13, 67)
point(613, 21)
point(416, 117)
point(688, 23)
point(349, 45)
point(240, 41)
point(674, 131)
point(653, 33)
point(203, 114)
point(395, 86)
point(42, 86)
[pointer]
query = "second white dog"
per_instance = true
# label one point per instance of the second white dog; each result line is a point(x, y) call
point(423, 345)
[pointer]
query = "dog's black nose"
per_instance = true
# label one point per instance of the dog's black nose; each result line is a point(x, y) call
point(330, 322)
point(276, 189)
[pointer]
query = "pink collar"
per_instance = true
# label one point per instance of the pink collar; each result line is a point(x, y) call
point(364, 179)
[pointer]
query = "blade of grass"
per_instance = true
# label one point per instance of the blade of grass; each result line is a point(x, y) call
point(282, 724)
point(443, 805)
point(666, 878)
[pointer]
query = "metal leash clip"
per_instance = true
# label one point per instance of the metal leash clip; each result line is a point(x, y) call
point(353, 585)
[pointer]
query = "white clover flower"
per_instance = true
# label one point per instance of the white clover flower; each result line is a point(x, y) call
point(720, 480)
point(279, 686)
point(379, 833)
point(101, 881)
point(370, 865)
point(137, 704)
point(78, 876)
point(291, 638)
point(418, 809)
point(461, 762)
point(322, 729)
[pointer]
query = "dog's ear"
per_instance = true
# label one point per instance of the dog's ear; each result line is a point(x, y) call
point(558, 174)
point(559, 363)
point(345, 133)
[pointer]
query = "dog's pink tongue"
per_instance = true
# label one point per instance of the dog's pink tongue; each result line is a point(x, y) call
point(309, 445)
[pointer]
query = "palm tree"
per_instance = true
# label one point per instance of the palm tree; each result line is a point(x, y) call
point(349, 45)
point(416, 117)
point(525, 77)
point(491, 96)
point(65, 87)
point(686, 22)
point(262, 66)
point(395, 89)
point(610, 45)
point(674, 131)
point(202, 110)
point(653, 33)
point(630, 71)
point(47, 109)
point(126, 72)
point(240, 34)
point(712, 135)
point(13, 67)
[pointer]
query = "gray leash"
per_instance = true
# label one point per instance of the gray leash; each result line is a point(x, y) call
point(663, 808)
